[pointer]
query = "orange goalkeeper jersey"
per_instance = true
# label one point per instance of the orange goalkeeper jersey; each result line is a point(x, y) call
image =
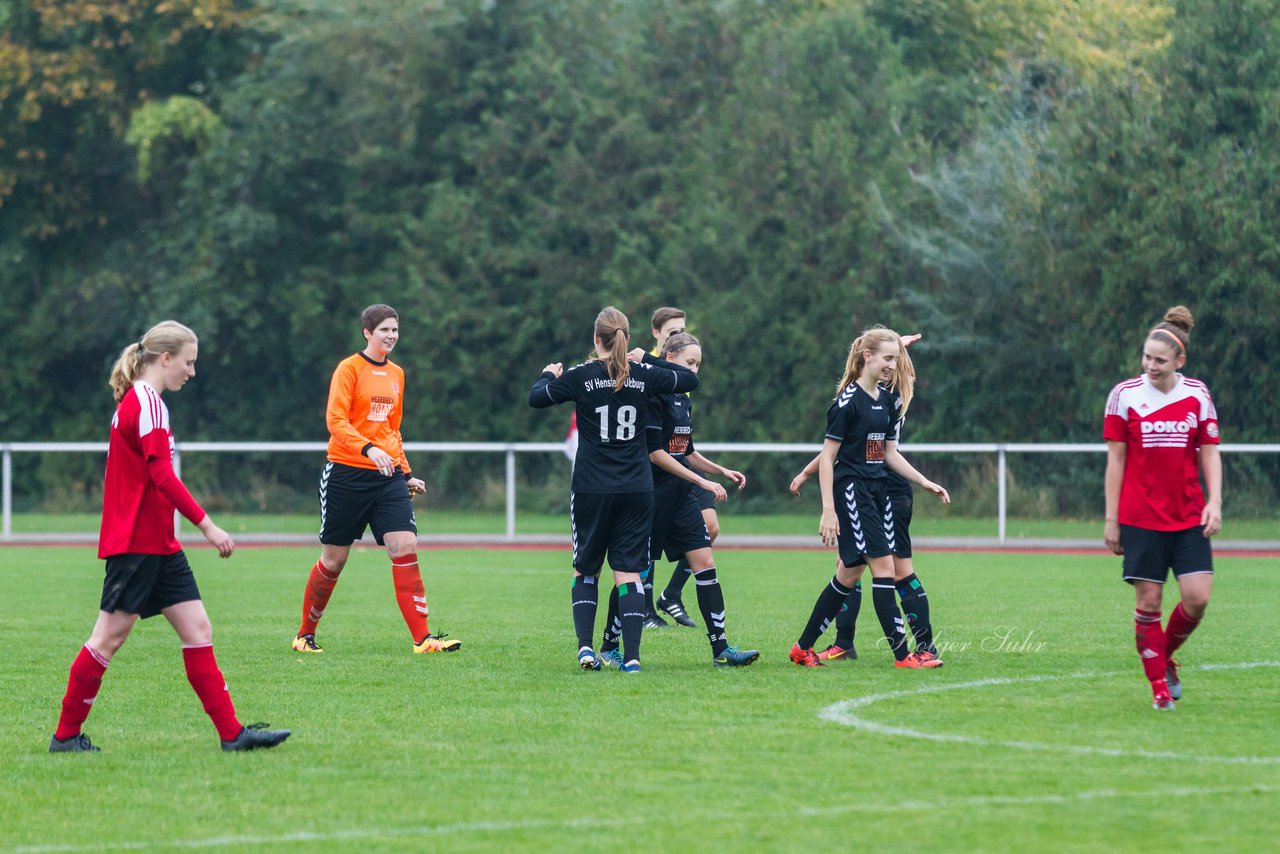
point(366, 403)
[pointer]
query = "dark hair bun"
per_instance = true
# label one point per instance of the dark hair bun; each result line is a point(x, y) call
point(1180, 316)
point(676, 343)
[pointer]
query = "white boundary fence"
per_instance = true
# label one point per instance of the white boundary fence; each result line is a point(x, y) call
point(510, 449)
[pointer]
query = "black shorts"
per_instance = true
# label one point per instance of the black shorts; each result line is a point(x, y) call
point(1149, 555)
point(866, 520)
point(147, 584)
point(352, 499)
point(706, 498)
point(678, 526)
point(616, 525)
point(902, 501)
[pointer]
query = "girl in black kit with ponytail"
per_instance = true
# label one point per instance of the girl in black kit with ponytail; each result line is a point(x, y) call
point(611, 497)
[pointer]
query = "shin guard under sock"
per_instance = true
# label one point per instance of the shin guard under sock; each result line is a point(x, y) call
point(83, 683)
point(847, 619)
point(320, 586)
point(886, 605)
point(711, 604)
point(211, 688)
point(915, 606)
point(631, 614)
point(1150, 642)
point(1179, 629)
point(584, 596)
point(411, 596)
point(824, 611)
point(612, 624)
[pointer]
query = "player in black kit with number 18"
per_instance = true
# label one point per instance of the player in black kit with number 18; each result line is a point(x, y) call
point(678, 526)
point(611, 502)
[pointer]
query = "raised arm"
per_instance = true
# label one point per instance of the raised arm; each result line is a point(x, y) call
point(549, 389)
point(671, 377)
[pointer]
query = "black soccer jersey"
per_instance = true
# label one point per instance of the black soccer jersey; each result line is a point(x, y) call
point(613, 454)
point(862, 426)
point(670, 430)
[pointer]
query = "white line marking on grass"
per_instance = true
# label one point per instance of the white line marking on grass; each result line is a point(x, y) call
point(845, 712)
point(1065, 798)
point(341, 835)
point(535, 824)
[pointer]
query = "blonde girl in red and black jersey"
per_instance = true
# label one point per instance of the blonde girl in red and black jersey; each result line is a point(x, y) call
point(910, 590)
point(1161, 430)
point(367, 483)
point(611, 502)
point(147, 572)
point(860, 445)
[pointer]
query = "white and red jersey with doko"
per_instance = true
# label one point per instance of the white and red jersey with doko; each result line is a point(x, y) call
point(1162, 435)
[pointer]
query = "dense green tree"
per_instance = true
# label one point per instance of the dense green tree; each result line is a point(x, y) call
point(1030, 183)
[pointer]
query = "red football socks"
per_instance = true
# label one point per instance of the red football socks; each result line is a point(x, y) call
point(211, 688)
point(319, 588)
point(82, 689)
point(1150, 638)
point(411, 596)
point(1179, 629)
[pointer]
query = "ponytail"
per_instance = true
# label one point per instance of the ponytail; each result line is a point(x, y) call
point(613, 330)
point(904, 377)
point(126, 369)
point(168, 336)
point(852, 365)
point(904, 373)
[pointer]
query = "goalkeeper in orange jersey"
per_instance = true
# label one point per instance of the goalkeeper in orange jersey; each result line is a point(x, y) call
point(367, 483)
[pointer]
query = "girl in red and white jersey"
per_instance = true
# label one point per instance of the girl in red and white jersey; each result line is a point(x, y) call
point(146, 570)
point(1162, 435)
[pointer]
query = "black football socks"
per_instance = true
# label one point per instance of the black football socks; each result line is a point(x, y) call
point(612, 625)
point(915, 605)
point(711, 604)
point(886, 605)
point(824, 611)
point(631, 612)
point(584, 595)
point(847, 619)
point(675, 587)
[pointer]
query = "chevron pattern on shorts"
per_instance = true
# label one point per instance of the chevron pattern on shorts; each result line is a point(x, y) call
point(851, 504)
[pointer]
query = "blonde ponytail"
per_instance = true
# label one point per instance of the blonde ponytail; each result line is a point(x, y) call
point(904, 377)
point(904, 373)
point(613, 330)
point(168, 336)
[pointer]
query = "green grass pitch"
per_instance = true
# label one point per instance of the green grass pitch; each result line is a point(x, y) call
point(1041, 732)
